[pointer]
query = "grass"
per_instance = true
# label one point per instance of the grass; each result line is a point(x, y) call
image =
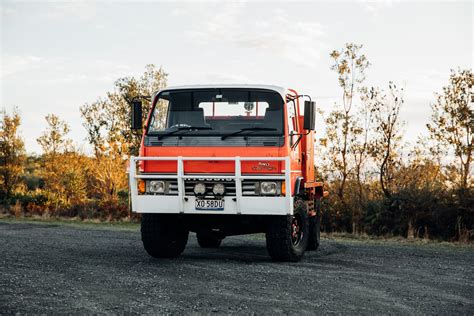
point(73, 222)
point(347, 237)
point(128, 225)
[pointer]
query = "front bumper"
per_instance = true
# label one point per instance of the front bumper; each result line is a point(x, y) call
point(248, 205)
point(238, 204)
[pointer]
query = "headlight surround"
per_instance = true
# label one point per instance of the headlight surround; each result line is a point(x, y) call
point(218, 189)
point(200, 188)
point(156, 186)
point(268, 188)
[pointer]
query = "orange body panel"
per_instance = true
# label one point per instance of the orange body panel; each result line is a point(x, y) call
point(248, 167)
point(298, 157)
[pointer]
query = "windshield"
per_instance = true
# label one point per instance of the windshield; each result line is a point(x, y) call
point(217, 112)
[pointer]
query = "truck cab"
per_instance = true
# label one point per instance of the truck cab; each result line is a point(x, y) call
point(222, 160)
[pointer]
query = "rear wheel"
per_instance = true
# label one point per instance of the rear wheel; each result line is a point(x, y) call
point(163, 236)
point(314, 237)
point(208, 241)
point(287, 236)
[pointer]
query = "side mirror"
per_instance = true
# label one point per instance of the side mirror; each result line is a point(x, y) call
point(309, 115)
point(136, 114)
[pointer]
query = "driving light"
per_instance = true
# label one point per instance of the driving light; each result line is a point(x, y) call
point(218, 189)
point(156, 186)
point(268, 188)
point(200, 188)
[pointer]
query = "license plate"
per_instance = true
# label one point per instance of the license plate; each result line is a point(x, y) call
point(210, 205)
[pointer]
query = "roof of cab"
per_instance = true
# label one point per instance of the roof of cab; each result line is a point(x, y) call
point(282, 91)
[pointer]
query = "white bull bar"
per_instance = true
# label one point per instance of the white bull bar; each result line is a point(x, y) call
point(245, 205)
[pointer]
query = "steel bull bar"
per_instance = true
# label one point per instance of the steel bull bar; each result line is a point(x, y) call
point(245, 205)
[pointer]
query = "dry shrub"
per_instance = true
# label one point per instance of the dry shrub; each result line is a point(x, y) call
point(16, 209)
point(411, 231)
point(466, 235)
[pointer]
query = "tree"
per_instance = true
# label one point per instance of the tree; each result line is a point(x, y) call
point(344, 131)
point(107, 121)
point(12, 153)
point(350, 65)
point(54, 140)
point(63, 168)
point(385, 110)
point(359, 148)
point(452, 123)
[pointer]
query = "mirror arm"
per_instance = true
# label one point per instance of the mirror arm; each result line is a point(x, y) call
point(305, 95)
point(293, 146)
point(300, 96)
point(303, 134)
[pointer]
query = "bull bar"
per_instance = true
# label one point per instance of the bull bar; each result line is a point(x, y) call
point(245, 205)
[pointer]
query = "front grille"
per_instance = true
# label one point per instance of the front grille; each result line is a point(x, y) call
point(249, 188)
point(172, 187)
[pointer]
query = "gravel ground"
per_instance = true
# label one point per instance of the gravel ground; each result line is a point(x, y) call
point(56, 268)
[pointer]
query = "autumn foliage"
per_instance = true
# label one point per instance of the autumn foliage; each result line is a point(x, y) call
point(65, 181)
point(378, 183)
point(381, 185)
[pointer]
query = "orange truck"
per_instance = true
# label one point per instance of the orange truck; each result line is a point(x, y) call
point(223, 160)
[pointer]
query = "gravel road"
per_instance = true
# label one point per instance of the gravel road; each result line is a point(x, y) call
point(56, 268)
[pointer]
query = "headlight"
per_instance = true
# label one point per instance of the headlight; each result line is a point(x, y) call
point(156, 186)
point(268, 188)
point(200, 188)
point(218, 189)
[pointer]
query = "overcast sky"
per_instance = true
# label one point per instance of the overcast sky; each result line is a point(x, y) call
point(56, 56)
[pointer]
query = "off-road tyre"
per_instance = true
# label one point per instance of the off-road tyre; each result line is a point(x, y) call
point(280, 236)
point(314, 237)
point(163, 236)
point(206, 241)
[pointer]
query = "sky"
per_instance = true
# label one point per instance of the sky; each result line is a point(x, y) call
point(57, 55)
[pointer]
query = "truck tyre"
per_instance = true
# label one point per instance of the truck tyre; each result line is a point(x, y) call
point(162, 235)
point(314, 237)
point(206, 241)
point(287, 236)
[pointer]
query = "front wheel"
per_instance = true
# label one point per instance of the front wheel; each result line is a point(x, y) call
point(163, 236)
point(287, 236)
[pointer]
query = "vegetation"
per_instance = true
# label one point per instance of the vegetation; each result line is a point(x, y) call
point(12, 155)
point(378, 184)
point(64, 181)
point(381, 186)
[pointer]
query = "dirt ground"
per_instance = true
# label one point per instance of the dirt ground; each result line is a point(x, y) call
point(58, 268)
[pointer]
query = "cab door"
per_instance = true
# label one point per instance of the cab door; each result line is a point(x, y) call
point(294, 143)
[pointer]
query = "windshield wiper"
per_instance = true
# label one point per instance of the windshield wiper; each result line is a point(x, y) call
point(183, 128)
point(248, 129)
